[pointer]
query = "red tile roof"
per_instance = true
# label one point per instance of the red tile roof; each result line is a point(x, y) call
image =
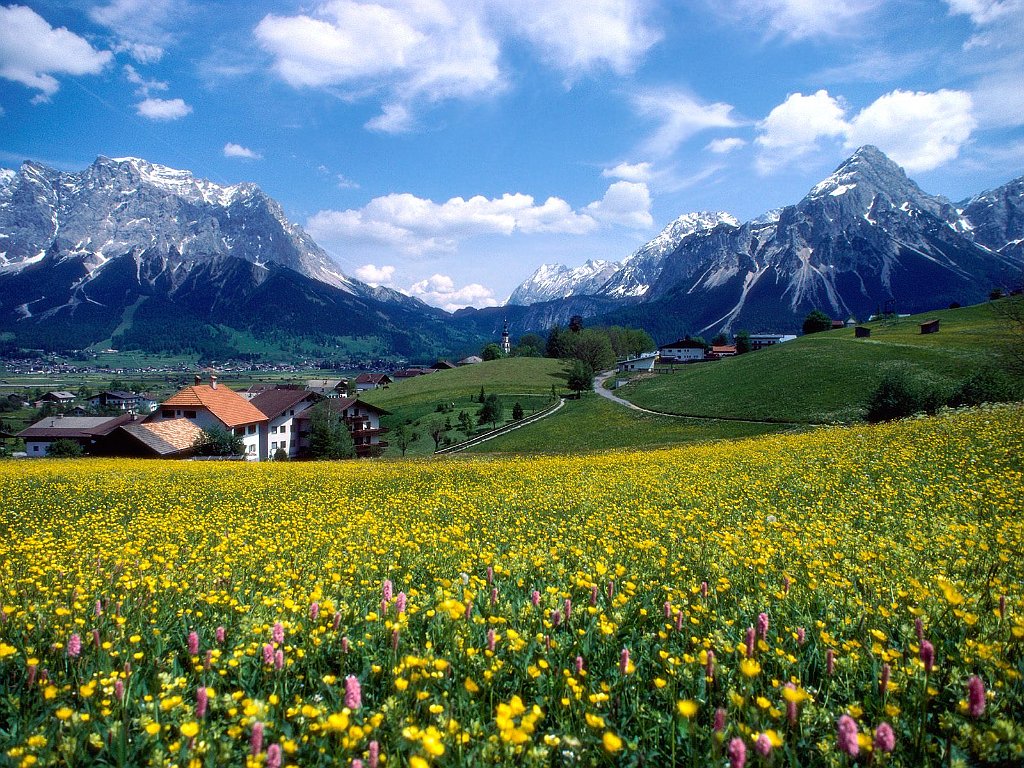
point(228, 406)
point(274, 402)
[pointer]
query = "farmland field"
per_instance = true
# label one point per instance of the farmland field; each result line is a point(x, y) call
point(818, 599)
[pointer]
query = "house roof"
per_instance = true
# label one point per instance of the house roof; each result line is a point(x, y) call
point(230, 408)
point(118, 394)
point(80, 427)
point(274, 402)
point(342, 404)
point(165, 437)
point(443, 365)
point(723, 349)
point(471, 360)
point(62, 395)
point(325, 383)
point(372, 378)
point(683, 344)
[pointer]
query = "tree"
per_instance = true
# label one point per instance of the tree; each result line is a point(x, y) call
point(576, 323)
point(403, 437)
point(581, 377)
point(437, 428)
point(517, 411)
point(281, 454)
point(720, 340)
point(742, 342)
point(491, 412)
point(557, 345)
point(900, 394)
point(65, 449)
point(817, 321)
point(593, 348)
point(218, 441)
point(629, 342)
point(329, 437)
point(491, 352)
point(466, 423)
point(530, 345)
point(480, 399)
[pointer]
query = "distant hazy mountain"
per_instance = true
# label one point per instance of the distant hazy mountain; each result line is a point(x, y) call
point(865, 238)
point(132, 250)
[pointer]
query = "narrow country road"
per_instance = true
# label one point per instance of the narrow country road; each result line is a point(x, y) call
point(601, 379)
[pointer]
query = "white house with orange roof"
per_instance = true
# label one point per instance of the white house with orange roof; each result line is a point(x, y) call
point(210, 405)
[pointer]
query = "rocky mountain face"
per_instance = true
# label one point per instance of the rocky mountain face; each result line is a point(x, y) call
point(126, 244)
point(864, 239)
point(555, 281)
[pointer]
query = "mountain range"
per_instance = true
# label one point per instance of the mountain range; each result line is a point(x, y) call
point(867, 238)
point(134, 254)
point(137, 255)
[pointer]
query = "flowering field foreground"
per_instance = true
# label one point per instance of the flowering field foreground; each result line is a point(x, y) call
point(847, 596)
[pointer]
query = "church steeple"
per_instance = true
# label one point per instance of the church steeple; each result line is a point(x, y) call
point(506, 345)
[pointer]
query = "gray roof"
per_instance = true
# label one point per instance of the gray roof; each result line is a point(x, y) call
point(74, 426)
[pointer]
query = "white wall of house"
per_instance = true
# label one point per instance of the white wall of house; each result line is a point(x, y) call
point(37, 447)
point(252, 434)
point(683, 353)
point(283, 432)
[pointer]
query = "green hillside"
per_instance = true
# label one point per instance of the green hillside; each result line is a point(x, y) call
point(594, 424)
point(526, 380)
point(828, 377)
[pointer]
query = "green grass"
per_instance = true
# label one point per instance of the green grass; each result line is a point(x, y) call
point(595, 424)
point(828, 377)
point(527, 380)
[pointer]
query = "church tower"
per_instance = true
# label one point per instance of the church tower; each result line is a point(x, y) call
point(506, 345)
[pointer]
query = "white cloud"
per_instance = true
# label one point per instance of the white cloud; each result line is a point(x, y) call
point(919, 131)
point(793, 128)
point(576, 37)
point(629, 172)
point(799, 19)
point(440, 291)
point(139, 25)
point(145, 87)
point(625, 202)
point(163, 109)
point(984, 11)
point(373, 275)
point(725, 146)
point(344, 182)
point(237, 150)
point(681, 116)
point(32, 52)
point(405, 51)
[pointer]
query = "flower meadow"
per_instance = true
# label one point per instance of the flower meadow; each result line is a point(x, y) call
point(846, 596)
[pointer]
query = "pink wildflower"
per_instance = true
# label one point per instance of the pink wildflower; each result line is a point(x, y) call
point(611, 588)
point(256, 739)
point(74, 646)
point(763, 745)
point(579, 665)
point(373, 753)
point(927, 656)
point(667, 608)
point(883, 684)
point(387, 590)
point(535, 598)
point(98, 610)
point(709, 668)
point(277, 633)
point(344, 644)
point(975, 696)
point(208, 660)
point(201, 702)
point(624, 661)
point(593, 594)
point(491, 639)
point(830, 661)
point(679, 621)
point(785, 584)
point(762, 625)
point(494, 595)
point(193, 644)
point(400, 602)
point(885, 739)
point(356, 763)
point(32, 669)
point(719, 724)
point(704, 589)
point(279, 660)
point(273, 756)
point(337, 620)
point(268, 654)
point(394, 639)
point(568, 609)
point(750, 642)
point(556, 618)
point(353, 693)
point(737, 753)
point(490, 574)
point(119, 689)
point(96, 638)
point(469, 610)
point(314, 611)
point(791, 710)
point(919, 629)
point(221, 634)
point(847, 736)
point(801, 635)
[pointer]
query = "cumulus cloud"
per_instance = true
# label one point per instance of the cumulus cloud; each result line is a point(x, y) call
point(627, 203)
point(725, 146)
point(237, 150)
point(918, 130)
point(370, 273)
point(629, 172)
point(984, 12)
point(798, 19)
point(680, 116)
point(576, 37)
point(406, 51)
point(139, 25)
point(793, 128)
point(163, 109)
point(441, 291)
point(32, 52)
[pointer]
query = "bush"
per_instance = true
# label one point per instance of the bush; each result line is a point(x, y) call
point(900, 394)
point(816, 322)
point(65, 449)
point(218, 441)
point(988, 385)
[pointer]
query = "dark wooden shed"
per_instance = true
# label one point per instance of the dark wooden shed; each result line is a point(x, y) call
point(930, 326)
point(862, 332)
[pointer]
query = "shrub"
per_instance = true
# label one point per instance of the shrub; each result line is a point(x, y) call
point(988, 385)
point(65, 449)
point(900, 394)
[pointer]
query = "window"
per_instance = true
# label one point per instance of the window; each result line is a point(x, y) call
point(239, 431)
point(284, 429)
point(190, 414)
point(252, 449)
point(167, 414)
point(35, 449)
point(273, 445)
point(251, 429)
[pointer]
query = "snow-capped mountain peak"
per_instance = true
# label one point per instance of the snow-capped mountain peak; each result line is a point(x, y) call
point(556, 281)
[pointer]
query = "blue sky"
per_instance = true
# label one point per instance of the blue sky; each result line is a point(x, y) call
point(447, 148)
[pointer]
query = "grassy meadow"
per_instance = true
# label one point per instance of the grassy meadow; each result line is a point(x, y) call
point(827, 377)
point(839, 597)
